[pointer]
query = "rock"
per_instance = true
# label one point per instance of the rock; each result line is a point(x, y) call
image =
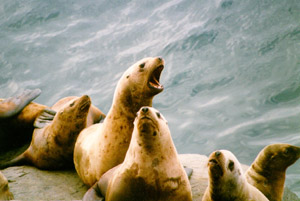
point(30, 183)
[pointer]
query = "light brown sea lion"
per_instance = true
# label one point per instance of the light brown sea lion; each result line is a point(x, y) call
point(53, 140)
point(151, 170)
point(100, 147)
point(267, 172)
point(227, 181)
point(5, 194)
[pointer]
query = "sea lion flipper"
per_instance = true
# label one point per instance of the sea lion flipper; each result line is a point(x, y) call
point(98, 190)
point(46, 116)
point(13, 105)
point(188, 171)
point(93, 194)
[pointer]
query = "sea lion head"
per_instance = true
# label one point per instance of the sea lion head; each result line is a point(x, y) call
point(278, 157)
point(144, 75)
point(151, 128)
point(74, 113)
point(140, 83)
point(223, 166)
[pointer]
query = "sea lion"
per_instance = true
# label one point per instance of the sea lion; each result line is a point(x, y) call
point(102, 146)
point(53, 141)
point(5, 194)
point(18, 114)
point(151, 169)
point(227, 181)
point(267, 172)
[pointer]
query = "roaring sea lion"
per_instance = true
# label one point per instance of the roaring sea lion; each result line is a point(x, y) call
point(5, 194)
point(151, 170)
point(53, 140)
point(101, 147)
point(227, 181)
point(267, 172)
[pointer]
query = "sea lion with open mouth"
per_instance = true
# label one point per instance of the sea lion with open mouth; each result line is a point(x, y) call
point(227, 181)
point(103, 146)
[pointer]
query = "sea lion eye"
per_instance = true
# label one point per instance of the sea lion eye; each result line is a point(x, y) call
point(142, 65)
point(158, 114)
point(72, 104)
point(231, 165)
point(286, 151)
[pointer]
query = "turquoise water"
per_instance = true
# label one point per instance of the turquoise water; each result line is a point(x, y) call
point(232, 73)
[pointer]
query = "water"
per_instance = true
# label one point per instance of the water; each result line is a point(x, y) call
point(232, 74)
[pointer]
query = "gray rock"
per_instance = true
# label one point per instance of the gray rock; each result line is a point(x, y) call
point(30, 183)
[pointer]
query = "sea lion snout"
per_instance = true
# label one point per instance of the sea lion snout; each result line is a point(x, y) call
point(145, 109)
point(160, 59)
point(217, 153)
point(85, 102)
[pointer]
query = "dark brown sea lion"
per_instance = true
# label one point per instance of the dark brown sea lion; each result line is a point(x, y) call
point(17, 115)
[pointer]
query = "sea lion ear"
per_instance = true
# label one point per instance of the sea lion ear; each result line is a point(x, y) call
point(45, 117)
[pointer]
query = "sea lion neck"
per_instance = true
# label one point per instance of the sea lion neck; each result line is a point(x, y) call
point(127, 104)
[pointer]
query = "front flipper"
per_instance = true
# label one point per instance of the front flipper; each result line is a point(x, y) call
point(93, 194)
point(46, 116)
point(13, 105)
point(98, 190)
point(188, 171)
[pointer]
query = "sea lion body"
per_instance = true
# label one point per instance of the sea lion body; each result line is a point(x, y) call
point(52, 144)
point(103, 146)
point(151, 170)
point(267, 172)
point(227, 181)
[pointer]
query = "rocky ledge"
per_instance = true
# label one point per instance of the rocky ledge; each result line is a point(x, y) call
point(30, 183)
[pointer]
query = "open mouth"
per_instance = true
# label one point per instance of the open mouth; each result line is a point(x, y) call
point(215, 168)
point(85, 105)
point(213, 161)
point(154, 78)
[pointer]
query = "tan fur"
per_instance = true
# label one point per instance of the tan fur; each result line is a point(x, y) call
point(267, 172)
point(151, 170)
point(103, 146)
point(5, 194)
point(227, 181)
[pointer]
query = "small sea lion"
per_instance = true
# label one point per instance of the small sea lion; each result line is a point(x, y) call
point(101, 147)
point(53, 139)
point(5, 194)
point(227, 181)
point(267, 172)
point(151, 170)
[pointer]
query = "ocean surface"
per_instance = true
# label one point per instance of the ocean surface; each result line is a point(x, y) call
point(232, 68)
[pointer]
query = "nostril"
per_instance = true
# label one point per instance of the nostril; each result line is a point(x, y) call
point(160, 59)
point(217, 153)
point(145, 109)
